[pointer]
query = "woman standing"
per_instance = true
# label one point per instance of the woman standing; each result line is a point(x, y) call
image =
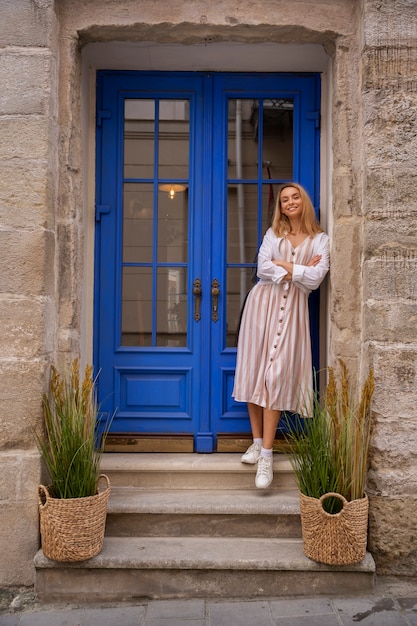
point(274, 363)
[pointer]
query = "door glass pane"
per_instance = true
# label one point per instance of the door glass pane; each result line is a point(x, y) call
point(137, 222)
point(270, 120)
point(269, 198)
point(277, 144)
point(139, 133)
point(174, 134)
point(137, 306)
point(242, 223)
point(260, 149)
point(172, 307)
point(155, 222)
point(239, 282)
point(173, 225)
point(242, 155)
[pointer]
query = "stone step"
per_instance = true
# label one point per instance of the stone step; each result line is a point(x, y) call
point(136, 512)
point(190, 471)
point(130, 568)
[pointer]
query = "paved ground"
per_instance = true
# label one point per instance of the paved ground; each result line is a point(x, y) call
point(393, 603)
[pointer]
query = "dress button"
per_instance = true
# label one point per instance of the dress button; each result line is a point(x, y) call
point(278, 334)
point(293, 252)
point(271, 359)
point(275, 346)
point(282, 308)
point(280, 321)
point(285, 296)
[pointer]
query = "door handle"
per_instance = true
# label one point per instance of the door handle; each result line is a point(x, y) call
point(197, 299)
point(215, 292)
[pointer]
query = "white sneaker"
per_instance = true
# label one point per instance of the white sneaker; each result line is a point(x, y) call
point(264, 473)
point(252, 454)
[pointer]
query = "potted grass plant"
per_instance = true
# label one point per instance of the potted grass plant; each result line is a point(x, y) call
point(73, 506)
point(329, 455)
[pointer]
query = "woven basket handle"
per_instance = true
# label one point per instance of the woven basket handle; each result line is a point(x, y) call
point(335, 495)
point(43, 495)
point(106, 478)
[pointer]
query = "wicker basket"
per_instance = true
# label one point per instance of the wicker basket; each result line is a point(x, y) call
point(72, 529)
point(336, 539)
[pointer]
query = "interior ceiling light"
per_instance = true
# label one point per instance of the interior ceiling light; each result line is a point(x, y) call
point(172, 189)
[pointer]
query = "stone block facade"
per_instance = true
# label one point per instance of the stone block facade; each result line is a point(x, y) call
point(46, 214)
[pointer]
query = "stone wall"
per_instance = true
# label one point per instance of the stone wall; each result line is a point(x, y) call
point(389, 110)
point(44, 214)
point(28, 108)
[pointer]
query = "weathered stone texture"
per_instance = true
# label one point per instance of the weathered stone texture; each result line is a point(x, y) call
point(392, 238)
point(70, 257)
point(20, 320)
point(393, 277)
point(24, 198)
point(20, 469)
point(391, 191)
point(27, 76)
point(396, 384)
point(386, 22)
point(391, 116)
point(390, 476)
point(25, 23)
point(345, 260)
point(19, 517)
point(390, 321)
point(390, 282)
point(391, 68)
point(200, 22)
point(392, 537)
point(19, 538)
point(346, 234)
point(393, 471)
point(394, 457)
point(28, 145)
point(20, 401)
point(345, 301)
point(389, 104)
point(26, 262)
point(24, 138)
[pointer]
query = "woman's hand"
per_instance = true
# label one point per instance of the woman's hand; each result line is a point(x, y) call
point(314, 261)
point(287, 266)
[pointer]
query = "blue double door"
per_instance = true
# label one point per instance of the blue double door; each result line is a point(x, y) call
point(188, 170)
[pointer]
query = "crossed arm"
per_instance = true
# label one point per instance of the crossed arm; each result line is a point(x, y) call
point(288, 266)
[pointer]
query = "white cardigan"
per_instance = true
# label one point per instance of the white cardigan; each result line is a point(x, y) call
point(305, 278)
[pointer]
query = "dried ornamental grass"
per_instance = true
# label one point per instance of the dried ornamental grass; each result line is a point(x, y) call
point(69, 446)
point(330, 451)
point(350, 430)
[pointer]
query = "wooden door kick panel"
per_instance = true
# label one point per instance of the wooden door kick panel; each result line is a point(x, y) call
point(240, 442)
point(149, 443)
point(181, 443)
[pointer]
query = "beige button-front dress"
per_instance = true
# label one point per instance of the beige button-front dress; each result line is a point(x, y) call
point(274, 363)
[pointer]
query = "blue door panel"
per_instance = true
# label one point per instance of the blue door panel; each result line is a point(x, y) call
point(229, 417)
point(187, 389)
point(154, 394)
point(147, 388)
point(155, 391)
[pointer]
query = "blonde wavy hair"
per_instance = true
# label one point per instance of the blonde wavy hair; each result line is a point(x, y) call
point(280, 222)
